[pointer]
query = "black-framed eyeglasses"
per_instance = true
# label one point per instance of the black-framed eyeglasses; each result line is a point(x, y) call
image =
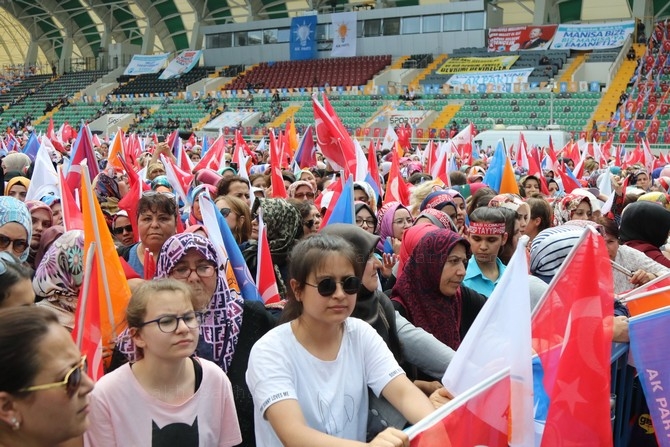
point(370, 222)
point(71, 381)
point(184, 271)
point(225, 212)
point(169, 323)
point(327, 286)
point(18, 245)
point(121, 230)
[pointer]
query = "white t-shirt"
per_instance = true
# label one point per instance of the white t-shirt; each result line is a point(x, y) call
point(123, 414)
point(332, 394)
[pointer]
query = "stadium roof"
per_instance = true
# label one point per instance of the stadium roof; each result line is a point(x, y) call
point(89, 25)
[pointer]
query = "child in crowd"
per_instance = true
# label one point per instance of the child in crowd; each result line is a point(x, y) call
point(487, 238)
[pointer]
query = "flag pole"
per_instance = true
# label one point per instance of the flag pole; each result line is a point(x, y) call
point(83, 301)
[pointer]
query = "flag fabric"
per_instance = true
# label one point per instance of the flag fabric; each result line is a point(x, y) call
point(112, 292)
point(463, 143)
point(212, 159)
point(568, 182)
point(265, 273)
point(86, 331)
point(45, 178)
point(276, 178)
point(73, 219)
point(332, 138)
point(129, 203)
point(362, 171)
point(374, 169)
point(651, 298)
point(32, 146)
point(343, 210)
point(494, 173)
point(116, 151)
point(498, 339)
point(390, 139)
point(305, 155)
point(178, 178)
point(458, 423)
point(508, 183)
point(572, 334)
point(51, 135)
point(396, 188)
point(648, 335)
point(227, 249)
point(82, 149)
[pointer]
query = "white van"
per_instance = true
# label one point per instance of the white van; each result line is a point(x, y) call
point(489, 138)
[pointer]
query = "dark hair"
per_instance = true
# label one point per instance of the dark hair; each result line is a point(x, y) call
point(253, 177)
point(609, 226)
point(458, 178)
point(480, 198)
point(309, 255)
point(539, 207)
point(487, 214)
point(15, 272)
point(223, 188)
point(157, 203)
point(304, 207)
point(22, 330)
point(418, 177)
point(511, 217)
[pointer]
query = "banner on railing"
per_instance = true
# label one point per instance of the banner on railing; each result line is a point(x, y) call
point(517, 76)
point(592, 36)
point(474, 64)
point(515, 38)
point(344, 34)
point(303, 38)
point(145, 64)
point(181, 64)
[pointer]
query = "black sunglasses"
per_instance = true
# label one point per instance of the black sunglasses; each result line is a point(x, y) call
point(121, 230)
point(225, 212)
point(327, 286)
point(18, 245)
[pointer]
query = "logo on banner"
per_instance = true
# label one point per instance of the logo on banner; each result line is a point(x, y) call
point(303, 32)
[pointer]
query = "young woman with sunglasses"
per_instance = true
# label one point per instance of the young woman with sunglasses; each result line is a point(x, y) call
point(177, 399)
point(309, 377)
point(238, 216)
point(15, 227)
point(43, 383)
point(123, 229)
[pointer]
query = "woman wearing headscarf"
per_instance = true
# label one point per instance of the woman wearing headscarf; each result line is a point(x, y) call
point(108, 193)
point(363, 192)
point(645, 227)
point(17, 188)
point(429, 291)
point(59, 276)
point(48, 237)
point(15, 227)
point(394, 218)
point(42, 218)
point(572, 206)
point(230, 326)
point(365, 217)
point(284, 229)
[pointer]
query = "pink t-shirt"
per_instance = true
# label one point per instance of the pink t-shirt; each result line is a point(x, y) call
point(122, 413)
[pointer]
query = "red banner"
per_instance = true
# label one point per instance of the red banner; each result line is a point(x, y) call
point(515, 38)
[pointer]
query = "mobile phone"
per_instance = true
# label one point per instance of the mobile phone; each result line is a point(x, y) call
point(161, 138)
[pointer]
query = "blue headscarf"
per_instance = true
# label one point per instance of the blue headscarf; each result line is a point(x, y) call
point(13, 210)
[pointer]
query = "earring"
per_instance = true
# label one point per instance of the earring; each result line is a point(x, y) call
point(15, 424)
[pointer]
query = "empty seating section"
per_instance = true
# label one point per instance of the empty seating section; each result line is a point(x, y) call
point(24, 87)
point(418, 61)
point(312, 73)
point(149, 83)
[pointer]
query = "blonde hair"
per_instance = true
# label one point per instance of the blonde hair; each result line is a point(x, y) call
point(420, 192)
point(239, 207)
point(136, 311)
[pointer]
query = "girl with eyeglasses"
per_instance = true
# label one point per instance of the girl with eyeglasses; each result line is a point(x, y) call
point(309, 377)
point(15, 227)
point(177, 399)
point(43, 382)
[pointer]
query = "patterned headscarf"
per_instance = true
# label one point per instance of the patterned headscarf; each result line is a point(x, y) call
point(563, 208)
point(13, 210)
point(438, 218)
point(550, 248)
point(385, 218)
point(657, 197)
point(59, 276)
point(418, 287)
point(297, 184)
point(106, 187)
point(221, 324)
point(437, 200)
point(411, 238)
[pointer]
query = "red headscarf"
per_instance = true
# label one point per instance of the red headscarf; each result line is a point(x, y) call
point(418, 287)
point(410, 239)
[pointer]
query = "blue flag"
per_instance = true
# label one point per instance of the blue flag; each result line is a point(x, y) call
point(344, 211)
point(494, 174)
point(32, 146)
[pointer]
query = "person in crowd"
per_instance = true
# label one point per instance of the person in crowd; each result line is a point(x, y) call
point(46, 241)
point(642, 180)
point(643, 268)
point(123, 229)
point(17, 188)
point(238, 216)
point(41, 218)
point(176, 397)
point(16, 286)
point(284, 228)
point(161, 184)
point(435, 217)
point(459, 200)
point(394, 218)
point(540, 216)
point(365, 217)
point(572, 206)
point(429, 291)
point(311, 217)
point(309, 376)
point(441, 201)
point(301, 190)
point(363, 192)
point(553, 187)
point(305, 175)
point(194, 217)
point(44, 387)
point(645, 226)
point(156, 222)
point(59, 276)
point(487, 237)
point(530, 185)
point(15, 227)
point(235, 186)
point(56, 206)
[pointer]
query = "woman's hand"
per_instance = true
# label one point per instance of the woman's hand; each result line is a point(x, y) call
point(641, 277)
point(396, 243)
point(440, 397)
point(428, 388)
point(388, 261)
point(391, 437)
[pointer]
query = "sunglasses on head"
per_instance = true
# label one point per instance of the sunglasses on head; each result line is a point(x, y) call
point(157, 193)
point(71, 381)
point(327, 286)
point(18, 245)
point(121, 230)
